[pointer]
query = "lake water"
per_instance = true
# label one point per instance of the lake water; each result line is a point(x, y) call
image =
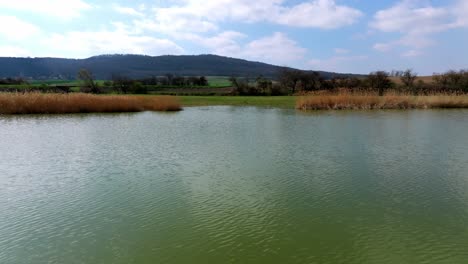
point(235, 185)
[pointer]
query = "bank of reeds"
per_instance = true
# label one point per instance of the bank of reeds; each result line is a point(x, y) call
point(348, 101)
point(36, 103)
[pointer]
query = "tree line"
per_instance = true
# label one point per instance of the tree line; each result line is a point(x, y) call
point(123, 84)
point(296, 81)
point(12, 81)
point(287, 82)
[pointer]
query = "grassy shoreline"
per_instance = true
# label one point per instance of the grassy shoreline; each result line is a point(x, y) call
point(264, 101)
point(332, 101)
point(374, 102)
point(36, 103)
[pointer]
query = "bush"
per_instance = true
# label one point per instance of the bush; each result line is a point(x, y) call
point(138, 88)
point(379, 81)
point(452, 81)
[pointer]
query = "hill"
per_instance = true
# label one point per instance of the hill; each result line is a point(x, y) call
point(137, 66)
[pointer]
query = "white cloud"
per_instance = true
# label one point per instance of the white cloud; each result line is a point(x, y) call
point(461, 12)
point(224, 43)
point(383, 47)
point(127, 10)
point(200, 23)
point(13, 51)
point(51, 8)
point(219, 10)
point(14, 29)
point(408, 17)
point(414, 41)
point(417, 41)
point(90, 43)
point(324, 14)
point(336, 63)
point(173, 26)
point(79, 44)
point(198, 16)
point(277, 49)
point(417, 21)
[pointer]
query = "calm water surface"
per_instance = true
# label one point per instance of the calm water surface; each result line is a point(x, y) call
point(235, 185)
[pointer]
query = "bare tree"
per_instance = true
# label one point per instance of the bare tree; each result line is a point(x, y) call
point(121, 83)
point(379, 80)
point(263, 85)
point(289, 78)
point(88, 81)
point(241, 85)
point(203, 81)
point(408, 78)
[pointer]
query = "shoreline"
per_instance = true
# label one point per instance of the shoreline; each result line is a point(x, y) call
point(35, 103)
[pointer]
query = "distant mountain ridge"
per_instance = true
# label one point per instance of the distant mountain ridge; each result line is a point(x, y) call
point(138, 66)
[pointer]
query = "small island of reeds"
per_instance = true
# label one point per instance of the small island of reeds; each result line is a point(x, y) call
point(37, 103)
point(350, 101)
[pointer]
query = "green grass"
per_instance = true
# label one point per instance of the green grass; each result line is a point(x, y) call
point(218, 81)
point(52, 82)
point(17, 86)
point(267, 101)
point(213, 81)
point(62, 82)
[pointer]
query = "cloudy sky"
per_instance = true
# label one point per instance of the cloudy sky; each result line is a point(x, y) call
point(354, 36)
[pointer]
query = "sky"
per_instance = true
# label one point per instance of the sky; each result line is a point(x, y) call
point(352, 36)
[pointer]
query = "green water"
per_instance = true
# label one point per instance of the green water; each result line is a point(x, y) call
point(235, 185)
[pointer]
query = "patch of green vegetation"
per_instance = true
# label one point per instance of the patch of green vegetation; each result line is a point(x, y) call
point(51, 82)
point(62, 82)
point(267, 101)
point(219, 81)
point(213, 82)
point(16, 86)
point(75, 89)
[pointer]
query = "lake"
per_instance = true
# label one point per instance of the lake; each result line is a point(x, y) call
point(235, 185)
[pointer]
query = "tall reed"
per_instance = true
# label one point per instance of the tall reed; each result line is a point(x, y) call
point(343, 101)
point(36, 103)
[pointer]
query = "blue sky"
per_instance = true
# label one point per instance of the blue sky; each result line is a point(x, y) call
point(356, 36)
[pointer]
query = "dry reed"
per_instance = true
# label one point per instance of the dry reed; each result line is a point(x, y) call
point(36, 103)
point(345, 101)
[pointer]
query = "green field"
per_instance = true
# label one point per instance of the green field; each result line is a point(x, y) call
point(53, 82)
point(219, 81)
point(213, 82)
point(267, 101)
point(61, 82)
point(50, 83)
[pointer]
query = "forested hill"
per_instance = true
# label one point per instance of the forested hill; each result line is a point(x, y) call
point(137, 66)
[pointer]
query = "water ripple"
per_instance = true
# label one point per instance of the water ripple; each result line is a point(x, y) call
point(235, 185)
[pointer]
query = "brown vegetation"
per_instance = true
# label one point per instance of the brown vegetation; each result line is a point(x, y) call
point(425, 79)
point(35, 103)
point(345, 101)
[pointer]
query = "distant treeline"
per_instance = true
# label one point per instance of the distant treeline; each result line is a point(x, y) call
point(166, 80)
point(125, 85)
point(287, 82)
point(12, 81)
point(118, 84)
point(296, 81)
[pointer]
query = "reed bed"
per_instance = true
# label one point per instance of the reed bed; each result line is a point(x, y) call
point(347, 101)
point(36, 103)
